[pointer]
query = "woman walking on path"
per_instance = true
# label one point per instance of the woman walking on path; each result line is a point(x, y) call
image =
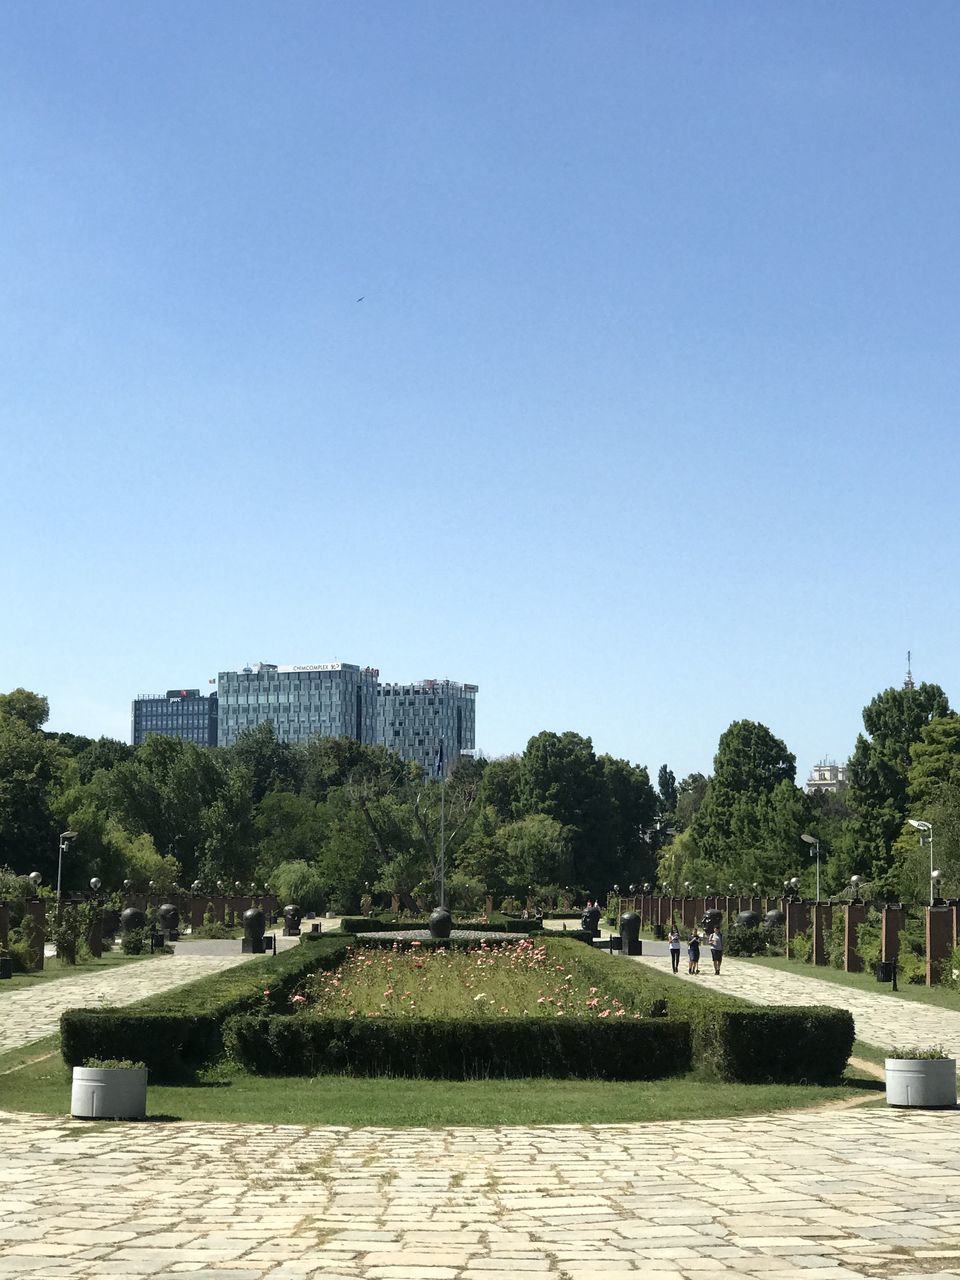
point(673, 937)
point(693, 951)
point(716, 948)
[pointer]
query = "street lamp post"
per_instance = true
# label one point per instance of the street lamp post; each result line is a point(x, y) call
point(816, 843)
point(66, 839)
point(922, 826)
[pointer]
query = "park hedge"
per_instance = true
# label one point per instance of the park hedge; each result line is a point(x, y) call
point(377, 924)
point(176, 1032)
point(458, 1049)
point(732, 1040)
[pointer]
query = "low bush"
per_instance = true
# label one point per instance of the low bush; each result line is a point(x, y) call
point(784, 1045)
point(177, 1032)
point(379, 924)
point(134, 942)
point(458, 1049)
point(732, 1040)
point(746, 940)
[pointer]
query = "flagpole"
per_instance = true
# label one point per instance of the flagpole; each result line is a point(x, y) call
point(443, 789)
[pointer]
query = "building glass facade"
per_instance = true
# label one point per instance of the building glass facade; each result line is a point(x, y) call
point(329, 700)
point(413, 720)
point(179, 713)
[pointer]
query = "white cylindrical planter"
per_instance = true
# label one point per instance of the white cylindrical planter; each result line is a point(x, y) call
point(109, 1093)
point(921, 1082)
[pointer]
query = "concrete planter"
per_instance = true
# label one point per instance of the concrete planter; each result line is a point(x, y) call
point(109, 1093)
point(921, 1082)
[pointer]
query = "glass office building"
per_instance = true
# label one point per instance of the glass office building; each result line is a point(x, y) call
point(326, 699)
point(413, 720)
point(179, 713)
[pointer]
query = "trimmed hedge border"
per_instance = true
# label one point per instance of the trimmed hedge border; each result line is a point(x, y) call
point(458, 1049)
point(178, 1031)
point(733, 1040)
point(375, 924)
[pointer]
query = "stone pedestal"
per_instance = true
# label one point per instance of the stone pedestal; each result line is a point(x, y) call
point(939, 922)
point(822, 923)
point(854, 914)
point(797, 918)
point(891, 926)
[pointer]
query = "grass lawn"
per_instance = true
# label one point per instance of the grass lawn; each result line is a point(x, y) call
point(54, 968)
point(223, 1094)
point(940, 997)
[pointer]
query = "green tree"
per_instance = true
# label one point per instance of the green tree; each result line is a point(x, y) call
point(667, 790)
point(627, 848)
point(690, 793)
point(750, 762)
point(165, 790)
point(878, 770)
point(32, 769)
point(537, 853)
point(31, 709)
point(934, 761)
point(500, 787)
point(270, 764)
point(561, 777)
point(288, 828)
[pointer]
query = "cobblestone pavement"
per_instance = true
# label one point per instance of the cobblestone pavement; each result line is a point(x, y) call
point(880, 1019)
point(34, 1012)
point(827, 1195)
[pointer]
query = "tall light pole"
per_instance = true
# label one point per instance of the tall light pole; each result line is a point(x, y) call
point(814, 841)
point(66, 839)
point(920, 825)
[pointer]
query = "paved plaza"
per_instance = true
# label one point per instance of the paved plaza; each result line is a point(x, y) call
point(31, 1013)
point(833, 1194)
point(826, 1195)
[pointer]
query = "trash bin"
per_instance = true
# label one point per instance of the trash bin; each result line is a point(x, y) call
point(883, 971)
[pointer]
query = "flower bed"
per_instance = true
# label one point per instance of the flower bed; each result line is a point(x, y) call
point(509, 979)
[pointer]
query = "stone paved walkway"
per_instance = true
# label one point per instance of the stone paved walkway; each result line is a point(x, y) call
point(34, 1012)
point(880, 1019)
point(828, 1195)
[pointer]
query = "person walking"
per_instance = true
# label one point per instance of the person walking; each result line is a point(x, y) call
point(673, 937)
point(693, 951)
point(716, 948)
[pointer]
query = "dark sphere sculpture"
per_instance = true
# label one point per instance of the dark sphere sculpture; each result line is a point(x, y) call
point(748, 919)
point(168, 917)
point(712, 920)
point(440, 923)
point(132, 918)
point(292, 915)
point(773, 918)
point(254, 924)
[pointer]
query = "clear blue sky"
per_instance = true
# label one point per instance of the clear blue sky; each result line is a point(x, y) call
point(646, 421)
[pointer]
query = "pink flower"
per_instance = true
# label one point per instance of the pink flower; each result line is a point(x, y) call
point(298, 999)
point(605, 1013)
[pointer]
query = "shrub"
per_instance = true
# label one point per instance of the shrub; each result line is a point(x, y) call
point(214, 931)
point(746, 940)
point(801, 946)
point(868, 940)
point(179, 1031)
point(458, 1049)
point(787, 1045)
point(114, 1064)
point(134, 942)
point(930, 1053)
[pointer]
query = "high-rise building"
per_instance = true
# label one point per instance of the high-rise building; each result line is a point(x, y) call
point(179, 713)
point(329, 699)
point(415, 719)
point(321, 699)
